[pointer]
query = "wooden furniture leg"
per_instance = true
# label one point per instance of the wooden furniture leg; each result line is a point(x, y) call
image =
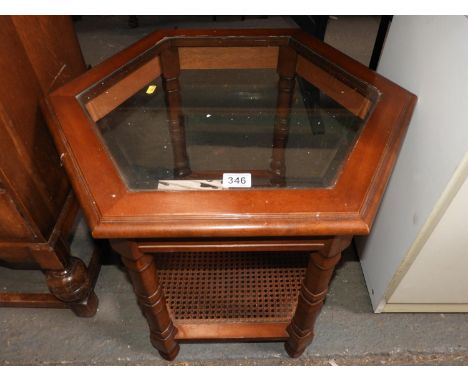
point(314, 289)
point(142, 272)
point(85, 308)
point(170, 71)
point(73, 286)
point(70, 282)
point(68, 278)
point(287, 59)
point(73, 283)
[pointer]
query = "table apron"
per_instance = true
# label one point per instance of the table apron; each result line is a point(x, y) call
point(232, 246)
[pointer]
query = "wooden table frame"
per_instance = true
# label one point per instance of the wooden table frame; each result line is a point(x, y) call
point(321, 221)
point(298, 334)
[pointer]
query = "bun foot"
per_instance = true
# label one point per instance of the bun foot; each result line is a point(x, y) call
point(72, 284)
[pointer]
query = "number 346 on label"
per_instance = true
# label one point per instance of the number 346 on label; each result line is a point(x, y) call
point(240, 180)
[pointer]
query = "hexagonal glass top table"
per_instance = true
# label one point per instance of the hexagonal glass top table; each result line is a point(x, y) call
point(225, 142)
point(230, 117)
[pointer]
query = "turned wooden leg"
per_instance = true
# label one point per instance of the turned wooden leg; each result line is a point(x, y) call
point(68, 279)
point(314, 289)
point(142, 272)
point(286, 69)
point(73, 286)
point(170, 71)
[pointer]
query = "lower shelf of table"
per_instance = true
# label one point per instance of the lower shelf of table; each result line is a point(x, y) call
point(238, 296)
point(232, 331)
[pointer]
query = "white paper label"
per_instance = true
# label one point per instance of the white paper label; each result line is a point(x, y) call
point(192, 184)
point(233, 180)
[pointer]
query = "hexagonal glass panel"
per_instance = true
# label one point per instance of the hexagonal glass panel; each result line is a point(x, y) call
point(182, 114)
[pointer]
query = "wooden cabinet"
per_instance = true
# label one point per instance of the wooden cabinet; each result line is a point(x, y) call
point(37, 208)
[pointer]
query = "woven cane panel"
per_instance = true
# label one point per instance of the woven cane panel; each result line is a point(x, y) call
point(233, 287)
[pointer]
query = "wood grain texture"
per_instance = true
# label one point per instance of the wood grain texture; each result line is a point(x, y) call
point(83, 308)
point(52, 48)
point(12, 225)
point(228, 58)
point(37, 54)
point(118, 93)
point(170, 63)
point(238, 332)
point(142, 272)
point(314, 289)
point(29, 165)
point(348, 97)
point(31, 300)
point(227, 245)
point(286, 68)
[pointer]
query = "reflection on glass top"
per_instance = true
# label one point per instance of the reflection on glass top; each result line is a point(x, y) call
point(186, 134)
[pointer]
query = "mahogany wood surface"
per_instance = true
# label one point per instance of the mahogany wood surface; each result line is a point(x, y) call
point(313, 292)
point(229, 245)
point(171, 71)
point(31, 300)
point(104, 103)
point(37, 210)
point(64, 60)
point(29, 166)
point(150, 296)
point(234, 331)
point(85, 308)
point(348, 97)
point(286, 68)
point(145, 224)
point(228, 58)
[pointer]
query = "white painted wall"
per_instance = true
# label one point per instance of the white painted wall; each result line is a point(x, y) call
point(427, 55)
